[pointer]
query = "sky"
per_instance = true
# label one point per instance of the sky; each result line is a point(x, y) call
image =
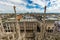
point(31, 6)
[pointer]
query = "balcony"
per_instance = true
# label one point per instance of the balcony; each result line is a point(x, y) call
point(27, 28)
point(30, 34)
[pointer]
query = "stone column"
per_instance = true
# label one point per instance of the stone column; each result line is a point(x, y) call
point(24, 31)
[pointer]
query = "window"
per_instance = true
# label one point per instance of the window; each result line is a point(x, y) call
point(49, 30)
point(0, 23)
point(38, 29)
point(8, 28)
point(4, 27)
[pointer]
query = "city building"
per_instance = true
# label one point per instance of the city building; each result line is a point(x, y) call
point(29, 27)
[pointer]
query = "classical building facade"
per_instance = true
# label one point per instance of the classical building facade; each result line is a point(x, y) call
point(28, 28)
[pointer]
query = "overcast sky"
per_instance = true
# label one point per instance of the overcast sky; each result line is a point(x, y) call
point(23, 6)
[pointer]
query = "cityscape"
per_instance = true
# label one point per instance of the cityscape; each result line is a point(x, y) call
point(29, 23)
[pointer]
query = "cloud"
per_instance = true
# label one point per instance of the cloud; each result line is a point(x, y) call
point(22, 9)
point(30, 5)
point(39, 2)
point(6, 3)
point(15, 1)
point(55, 6)
point(1, 10)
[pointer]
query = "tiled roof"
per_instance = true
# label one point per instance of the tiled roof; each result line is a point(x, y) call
point(19, 16)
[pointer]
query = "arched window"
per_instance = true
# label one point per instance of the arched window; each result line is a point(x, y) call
point(49, 30)
point(38, 29)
